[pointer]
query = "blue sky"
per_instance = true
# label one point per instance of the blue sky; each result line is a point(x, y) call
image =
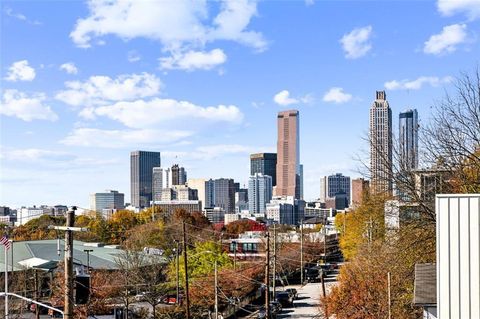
point(83, 83)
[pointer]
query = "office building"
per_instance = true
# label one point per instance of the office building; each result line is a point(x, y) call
point(333, 185)
point(26, 214)
point(179, 175)
point(408, 140)
point(264, 163)
point(241, 200)
point(215, 214)
point(224, 194)
point(109, 199)
point(168, 207)
point(179, 192)
point(285, 210)
point(288, 154)
point(359, 188)
point(381, 145)
point(141, 176)
point(204, 190)
point(259, 193)
point(158, 184)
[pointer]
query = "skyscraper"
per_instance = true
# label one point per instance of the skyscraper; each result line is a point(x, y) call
point(179, 175)
point(288, 154)
point(224, 194)
point(381, 145)
point(141, 176)
point(205, 190)
point(408, 139)
point(158, 184)
point(259, 193)
point(264, 163)
point(359, 187)
point(332, 185)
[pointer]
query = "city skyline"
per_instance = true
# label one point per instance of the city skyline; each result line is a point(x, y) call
point(77, 99)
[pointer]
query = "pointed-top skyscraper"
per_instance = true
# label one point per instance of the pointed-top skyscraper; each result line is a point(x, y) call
point(381, 145)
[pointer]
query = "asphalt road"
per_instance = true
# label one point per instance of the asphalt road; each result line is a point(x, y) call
point(308, 301)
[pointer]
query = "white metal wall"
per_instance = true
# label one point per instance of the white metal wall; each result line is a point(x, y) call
point(458, 256)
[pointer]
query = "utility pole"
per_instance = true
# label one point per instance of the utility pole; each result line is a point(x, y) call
point(234, 255)
point(301, 252)
point(325, 243)
point(68, 301)
point(267, 276)
point(37, 310)
point(274, 259)
point(177, 277)
point(216, 290)
point(69, 229)
point(389, 278)
point(187, 297)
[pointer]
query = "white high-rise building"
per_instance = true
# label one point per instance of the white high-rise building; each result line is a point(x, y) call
point(259, 193)
point(381, 145)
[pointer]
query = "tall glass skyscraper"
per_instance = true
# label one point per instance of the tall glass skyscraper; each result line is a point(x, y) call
point(381, 145)
point(224, 194)
point(408, 139)
point(264, 163)
point(259, 193)
point(141, 176)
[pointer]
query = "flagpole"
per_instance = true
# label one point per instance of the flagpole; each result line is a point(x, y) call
point(6, 281)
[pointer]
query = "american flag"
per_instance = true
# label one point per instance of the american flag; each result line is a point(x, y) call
point(5, 242)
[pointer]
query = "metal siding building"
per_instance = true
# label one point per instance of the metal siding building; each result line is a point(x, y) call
point(458, 256)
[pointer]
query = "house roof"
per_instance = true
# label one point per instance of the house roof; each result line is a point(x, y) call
point(425, 287)
point(43, 254)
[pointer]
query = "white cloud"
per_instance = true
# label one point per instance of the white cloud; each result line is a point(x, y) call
point(337, 95)
point(92, 137)
point(309, 2)
point(192, 60)
point(450, 7)
point(99, 90)
point(20, 71)
point(141, 113)
point(69, 67)
point(283, 98)
point(24, 107)
point(173, 23)
point(133, 56)
point(20, 16)
point(447, 40)
point(209, 152)
point(356, 43)
point(34, 154)
point(417, 83)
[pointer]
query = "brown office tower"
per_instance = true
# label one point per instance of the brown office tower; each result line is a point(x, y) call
point(288, 155)
point(360, 187)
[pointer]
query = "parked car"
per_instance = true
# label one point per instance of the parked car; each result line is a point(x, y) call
point(171, 299)
point(276, 307)
point(293, 292)
point(262, 314)
point(314, 274)
point(140, 296)
point(285, 298)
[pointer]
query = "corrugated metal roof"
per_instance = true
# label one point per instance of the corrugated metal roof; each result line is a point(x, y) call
point(100, 257)
point(425, 289)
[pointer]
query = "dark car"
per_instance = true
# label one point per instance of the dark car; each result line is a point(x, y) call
point(262, 314)
point(284, 298)
point(314, 274)
point(276, 307)
point(293, 292)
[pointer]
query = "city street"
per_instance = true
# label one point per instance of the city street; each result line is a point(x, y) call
point(307, 303)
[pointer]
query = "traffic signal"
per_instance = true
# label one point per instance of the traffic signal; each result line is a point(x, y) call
point(82, 289)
